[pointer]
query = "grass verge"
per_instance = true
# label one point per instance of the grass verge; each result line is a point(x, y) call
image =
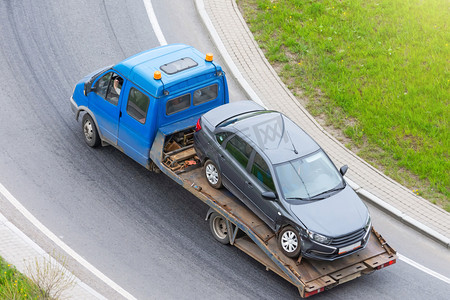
point(14, 285)
point(375, 70)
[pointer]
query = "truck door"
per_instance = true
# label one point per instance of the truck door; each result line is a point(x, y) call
point(137, 124)
point(104, 102)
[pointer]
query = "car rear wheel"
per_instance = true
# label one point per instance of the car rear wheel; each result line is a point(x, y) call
point(212, 174)
point(219, 229)
point(90, 131)
point(289, 242)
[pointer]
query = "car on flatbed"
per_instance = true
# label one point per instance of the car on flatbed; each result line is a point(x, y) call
point(285, 178)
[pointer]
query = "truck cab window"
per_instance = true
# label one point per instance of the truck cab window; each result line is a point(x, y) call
point(101, 86)
point(178, 104)
point(108, 87)
point(137, 106)
point(205, 94)
point(115, 86)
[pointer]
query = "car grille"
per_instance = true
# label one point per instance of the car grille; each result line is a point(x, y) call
point(348, 239)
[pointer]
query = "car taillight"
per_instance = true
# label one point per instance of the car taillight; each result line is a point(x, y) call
point(198, 126)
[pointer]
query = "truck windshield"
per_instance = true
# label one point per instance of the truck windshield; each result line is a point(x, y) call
point(308, 177)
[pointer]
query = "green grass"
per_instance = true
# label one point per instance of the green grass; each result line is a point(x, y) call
point(14, 285)
point(376, 70)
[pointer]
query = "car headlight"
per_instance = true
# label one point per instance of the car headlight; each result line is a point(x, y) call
point(368, 224)
point(318, 237)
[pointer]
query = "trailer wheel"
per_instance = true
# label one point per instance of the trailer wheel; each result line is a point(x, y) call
point(212, 174)
point(218, 227)
point(90, 131)
point(289, 242)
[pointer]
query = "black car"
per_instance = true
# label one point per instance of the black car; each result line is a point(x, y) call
point(285, 178)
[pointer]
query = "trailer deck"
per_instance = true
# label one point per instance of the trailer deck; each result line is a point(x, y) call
point(259, 241)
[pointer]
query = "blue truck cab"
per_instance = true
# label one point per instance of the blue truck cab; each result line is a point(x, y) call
point(158, 92)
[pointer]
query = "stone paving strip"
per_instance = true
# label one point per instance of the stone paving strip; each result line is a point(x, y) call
point(371, 184)
point(20, 251)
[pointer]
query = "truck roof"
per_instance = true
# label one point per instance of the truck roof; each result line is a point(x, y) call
point(171, 61)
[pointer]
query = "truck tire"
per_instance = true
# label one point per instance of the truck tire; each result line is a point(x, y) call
point(90, 131)
point(212, 174)
point(289, 242)
point(219, 229)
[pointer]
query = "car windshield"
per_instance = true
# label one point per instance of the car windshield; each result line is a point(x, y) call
point(308, 177)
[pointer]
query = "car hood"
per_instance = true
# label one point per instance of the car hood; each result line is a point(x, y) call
point(339, 214)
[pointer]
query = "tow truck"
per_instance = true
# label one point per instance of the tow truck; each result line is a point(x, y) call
point(147, 106)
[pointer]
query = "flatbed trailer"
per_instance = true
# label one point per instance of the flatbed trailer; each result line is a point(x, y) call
point(176, 158)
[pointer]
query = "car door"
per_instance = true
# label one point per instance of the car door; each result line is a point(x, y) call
point(233, 158)
point(259, 180)
point(136, 126)
point(104, 102)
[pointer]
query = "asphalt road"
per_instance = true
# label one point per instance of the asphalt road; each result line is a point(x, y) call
point(139, 228)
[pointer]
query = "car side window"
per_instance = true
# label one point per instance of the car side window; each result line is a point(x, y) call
point(222, 136)
point(239, 149)
point(261, 171)
point(137, 105)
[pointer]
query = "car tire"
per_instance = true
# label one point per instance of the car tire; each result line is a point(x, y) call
point(219, 230)
point(289, 242)
point(212, 174)
point(91, 136)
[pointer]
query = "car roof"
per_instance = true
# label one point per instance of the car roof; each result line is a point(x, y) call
point(140, 68)
point(274, 134)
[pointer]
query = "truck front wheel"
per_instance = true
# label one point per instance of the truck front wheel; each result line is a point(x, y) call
point(218, 226)
point(90, 131)
point(289, 242)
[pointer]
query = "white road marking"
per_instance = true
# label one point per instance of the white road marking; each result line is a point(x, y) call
point(61, 244)
point(156, 28)
point(423, 268)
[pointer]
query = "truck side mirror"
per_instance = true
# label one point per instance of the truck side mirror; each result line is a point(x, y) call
point(269, 195)
point(343, 170)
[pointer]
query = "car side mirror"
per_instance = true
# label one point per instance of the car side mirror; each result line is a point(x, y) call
point(343, 170)
point(269, 195)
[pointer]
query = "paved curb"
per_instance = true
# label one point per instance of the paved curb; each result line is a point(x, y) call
point(252, 94)
point(14, 240)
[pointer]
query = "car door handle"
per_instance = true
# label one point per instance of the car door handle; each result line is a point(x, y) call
point(221, 156)
point(250, 185)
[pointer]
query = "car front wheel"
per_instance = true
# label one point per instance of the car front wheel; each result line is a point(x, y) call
point(212, 174)
point(289, 242)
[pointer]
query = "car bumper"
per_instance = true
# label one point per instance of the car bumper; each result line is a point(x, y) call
point(314, 250)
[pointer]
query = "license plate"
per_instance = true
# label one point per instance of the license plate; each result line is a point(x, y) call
point(349, 248)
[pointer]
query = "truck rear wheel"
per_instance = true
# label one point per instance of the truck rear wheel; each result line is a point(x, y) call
point(212, 174)
point(289, 242)
point(218, 226)
point(90, 131)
